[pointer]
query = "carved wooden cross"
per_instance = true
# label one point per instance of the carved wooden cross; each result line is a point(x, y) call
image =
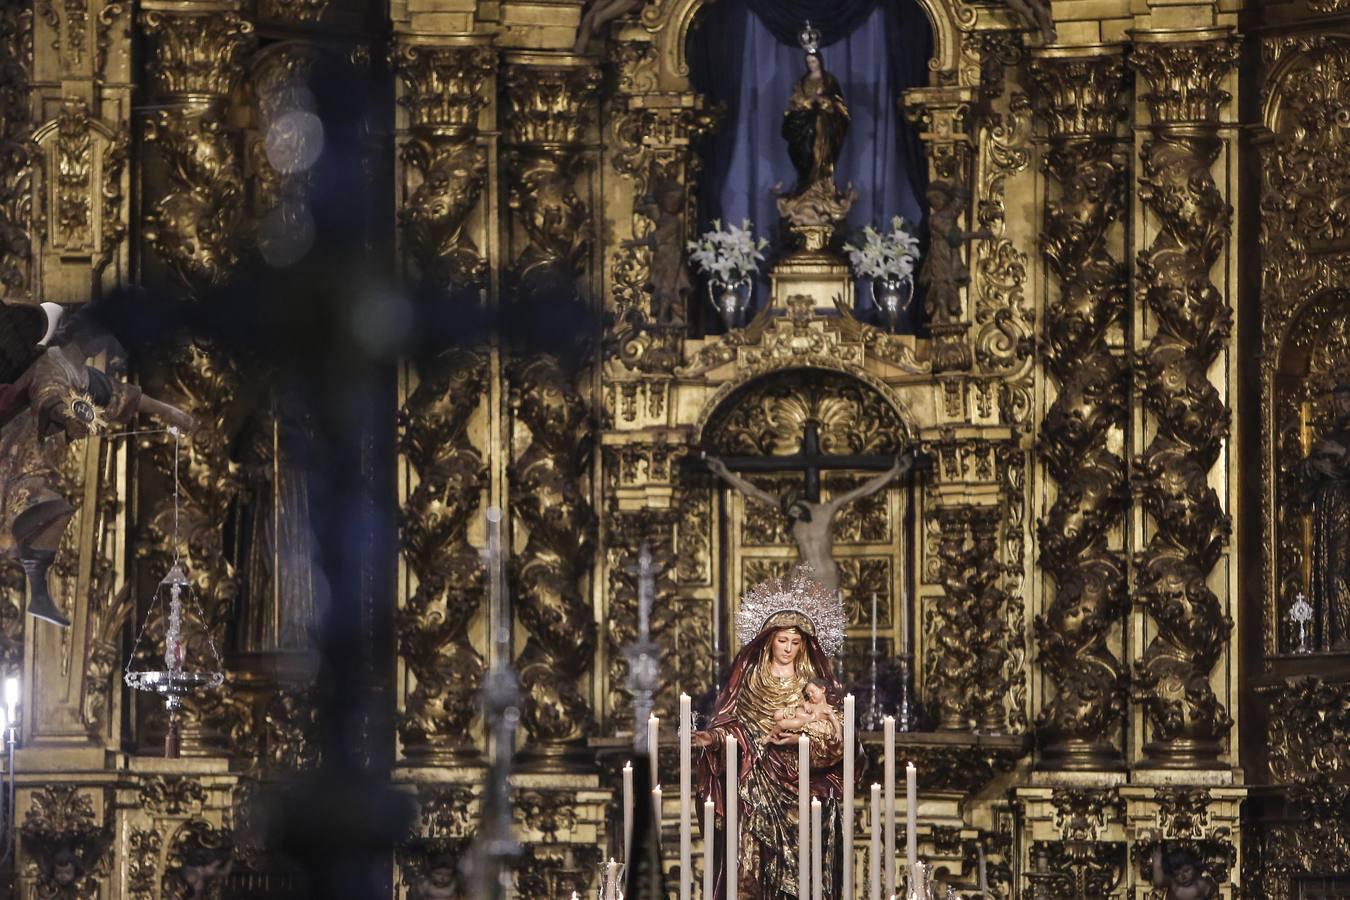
point(810, 462)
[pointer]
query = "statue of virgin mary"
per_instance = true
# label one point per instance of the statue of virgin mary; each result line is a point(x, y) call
point(789, 629)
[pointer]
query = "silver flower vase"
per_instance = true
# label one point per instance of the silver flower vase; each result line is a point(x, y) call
point(891, 297)
point(731, 299)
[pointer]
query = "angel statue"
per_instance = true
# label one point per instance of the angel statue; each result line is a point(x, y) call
point(780, 686)
point(59, 398)
point(812, 522)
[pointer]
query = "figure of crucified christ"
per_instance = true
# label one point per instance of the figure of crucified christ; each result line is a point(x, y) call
point(812, 523)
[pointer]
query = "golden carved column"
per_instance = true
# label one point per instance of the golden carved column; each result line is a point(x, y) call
point(1080, 538)
point(1187, 328)
point(445, 87)
point(194, 229)
point(551, 101)
point(195, 196)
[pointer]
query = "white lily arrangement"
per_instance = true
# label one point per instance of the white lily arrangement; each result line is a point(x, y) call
point(728, 254)
point(888, 256)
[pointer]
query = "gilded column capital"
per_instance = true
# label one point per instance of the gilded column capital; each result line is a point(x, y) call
point(197, 51)
point(1184, 74)
point(551, 100)
point(1079, 90)
point(445, 86)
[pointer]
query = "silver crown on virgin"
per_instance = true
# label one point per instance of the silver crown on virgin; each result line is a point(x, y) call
point(821, 610)
point(809, 37)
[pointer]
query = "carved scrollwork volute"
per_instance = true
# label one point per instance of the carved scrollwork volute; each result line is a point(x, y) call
point(195, 213)
point(433, 624)
point(1079, 99)
point(444, 90)
point(66, 837)
point(1184, 93)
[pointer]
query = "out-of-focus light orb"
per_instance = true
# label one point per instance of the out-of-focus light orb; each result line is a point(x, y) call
point(294, 141)
point(286, 233)
point(381, 321)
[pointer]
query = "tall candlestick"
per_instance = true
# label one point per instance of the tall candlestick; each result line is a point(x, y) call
point(653, 747)
point(803, 814)
point(912, 817)
point(686, 798)
point(732, 839)
point(874, 621)
point(612, 881)
point(847, 812)
point(709, 837)
point(888, 730)
point(874, 864)
point(904, 622)
point(817, 876)
point(656, 812)
point(627, 811)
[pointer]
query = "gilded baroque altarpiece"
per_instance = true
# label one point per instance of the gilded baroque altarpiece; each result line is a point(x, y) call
point(1099, 561)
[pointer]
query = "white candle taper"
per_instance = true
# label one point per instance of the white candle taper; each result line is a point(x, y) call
point(888, 731)
point(656, 812)
point(874, 866)
point(653, 747)
point(803, 814)
point(732, 840)
point(817, 876)
point(904, 622)
point(984, 875)
point(709, 838)
point(874, 621)
point(627, 811)
point(847, 812)
point(912, 817)
point(686, 798)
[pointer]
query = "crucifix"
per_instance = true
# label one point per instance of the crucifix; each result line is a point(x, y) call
point(644, 655)
point(811, 521)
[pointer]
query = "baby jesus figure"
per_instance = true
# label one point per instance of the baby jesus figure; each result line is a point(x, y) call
point(814, 716)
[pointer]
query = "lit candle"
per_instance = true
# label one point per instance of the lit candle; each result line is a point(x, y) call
point(817, 881)
point(656, 813)
point(627, 811)
point(912, 817)
point(686, 798)
point(709, 836)
point(653, 747)
point(847, 813)
point(888, 730)
point(11, 697)
point(874, 865)
point(803, 813)
point(874, 621)
point(732, 840)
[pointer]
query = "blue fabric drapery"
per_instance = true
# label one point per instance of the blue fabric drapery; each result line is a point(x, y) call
point(736, 59)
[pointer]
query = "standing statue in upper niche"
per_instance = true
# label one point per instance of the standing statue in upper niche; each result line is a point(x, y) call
point(812, 523)
point(1327, 477)
point(814, 126)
